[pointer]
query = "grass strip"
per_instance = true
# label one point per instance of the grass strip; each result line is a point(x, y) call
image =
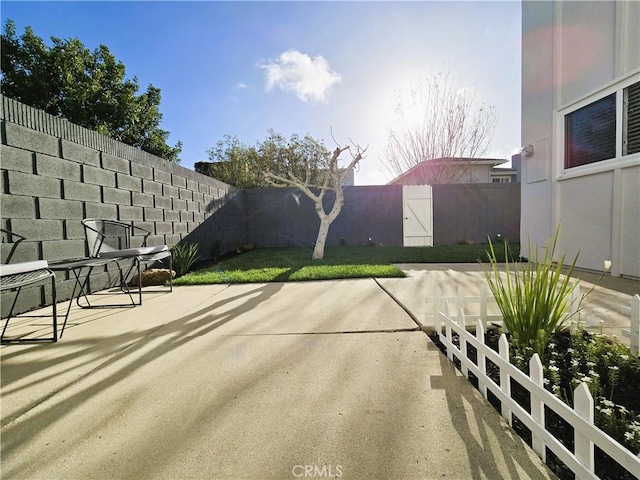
point(295, 264)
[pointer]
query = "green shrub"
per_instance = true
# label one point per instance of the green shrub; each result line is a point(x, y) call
point(610, 372)
point(184, 256)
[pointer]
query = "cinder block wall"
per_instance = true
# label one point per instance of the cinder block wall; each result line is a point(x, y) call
point(287, 217)
point(471, 212)
point(461, 213)
point(55, 173)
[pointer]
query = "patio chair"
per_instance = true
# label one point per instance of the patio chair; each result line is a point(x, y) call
point(15, 276)
point(113, 239)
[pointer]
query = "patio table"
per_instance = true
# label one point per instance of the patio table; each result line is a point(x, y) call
point(80, 269)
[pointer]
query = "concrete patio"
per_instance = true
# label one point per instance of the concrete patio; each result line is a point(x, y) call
point(262, 381)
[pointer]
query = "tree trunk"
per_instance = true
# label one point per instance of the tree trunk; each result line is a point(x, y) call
point(321, 240)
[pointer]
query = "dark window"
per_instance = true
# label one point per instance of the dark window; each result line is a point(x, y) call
point(590, 133)
point(631, 140)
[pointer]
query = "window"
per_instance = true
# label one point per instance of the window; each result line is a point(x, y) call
point(501, 180)
point(631, 125)
point(590, 131)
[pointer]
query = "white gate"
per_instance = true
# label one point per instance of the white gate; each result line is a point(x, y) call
point(417, 206)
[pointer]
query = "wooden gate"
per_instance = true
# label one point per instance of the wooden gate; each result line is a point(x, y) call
point(417, 206)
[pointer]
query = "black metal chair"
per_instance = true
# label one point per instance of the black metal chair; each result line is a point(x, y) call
point(113, 239)
point(15, 276)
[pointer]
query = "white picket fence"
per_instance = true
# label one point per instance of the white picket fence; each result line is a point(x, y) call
point(485, 308)
point(633, 333)
point(581, 417)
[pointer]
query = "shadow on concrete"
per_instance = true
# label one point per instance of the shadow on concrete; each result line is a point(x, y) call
point(479, 431)
point(175, 334)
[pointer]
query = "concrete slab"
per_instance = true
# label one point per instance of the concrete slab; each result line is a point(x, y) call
point(423, 279)
point(603, 308)
point(93, 335)
point(250, 381)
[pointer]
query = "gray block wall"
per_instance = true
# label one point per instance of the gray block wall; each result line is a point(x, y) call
point(287, 217)
point(461, 213)
point(471, 212)
point(54, 174)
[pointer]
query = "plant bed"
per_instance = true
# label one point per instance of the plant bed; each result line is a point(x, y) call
point(612, 375)
point(209, 262)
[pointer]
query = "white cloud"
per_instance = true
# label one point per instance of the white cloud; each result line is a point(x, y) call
point(309, 78)
point(241, 85)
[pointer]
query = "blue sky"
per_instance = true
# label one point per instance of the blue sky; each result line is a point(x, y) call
point(241, 68)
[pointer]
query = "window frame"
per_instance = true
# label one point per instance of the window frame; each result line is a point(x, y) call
point(619, 161)
point(582, 148)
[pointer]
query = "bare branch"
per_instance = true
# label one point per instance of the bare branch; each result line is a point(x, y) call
point(334, 138)
point(438, 121)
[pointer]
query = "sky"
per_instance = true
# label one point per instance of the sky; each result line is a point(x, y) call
point(333, 70)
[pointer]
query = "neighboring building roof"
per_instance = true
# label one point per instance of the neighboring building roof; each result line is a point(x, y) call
point(504, 170)
point(450, 161)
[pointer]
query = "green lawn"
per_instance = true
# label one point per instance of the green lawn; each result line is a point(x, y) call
point(295, 264)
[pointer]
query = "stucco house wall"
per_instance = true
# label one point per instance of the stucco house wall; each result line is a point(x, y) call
point(574, 54)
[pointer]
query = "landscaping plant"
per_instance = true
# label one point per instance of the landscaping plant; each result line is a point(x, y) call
point(184, 256)
point(215, 249)
point(533, 296)
point(609, 370)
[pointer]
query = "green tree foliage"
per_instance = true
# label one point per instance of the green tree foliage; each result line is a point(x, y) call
point(87, 88)
point(245, 166)
point(232, 162)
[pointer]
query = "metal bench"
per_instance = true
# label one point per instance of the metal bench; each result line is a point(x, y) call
point(15, 276)
point(112, 239)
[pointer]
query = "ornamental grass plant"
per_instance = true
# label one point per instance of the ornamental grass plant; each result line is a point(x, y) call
point(183, 257)
point(534, 297)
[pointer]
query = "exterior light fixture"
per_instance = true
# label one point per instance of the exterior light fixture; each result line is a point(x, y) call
point(528, 151)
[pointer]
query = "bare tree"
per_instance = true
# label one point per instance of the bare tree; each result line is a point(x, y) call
point(438, 125)
point(331, 180)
